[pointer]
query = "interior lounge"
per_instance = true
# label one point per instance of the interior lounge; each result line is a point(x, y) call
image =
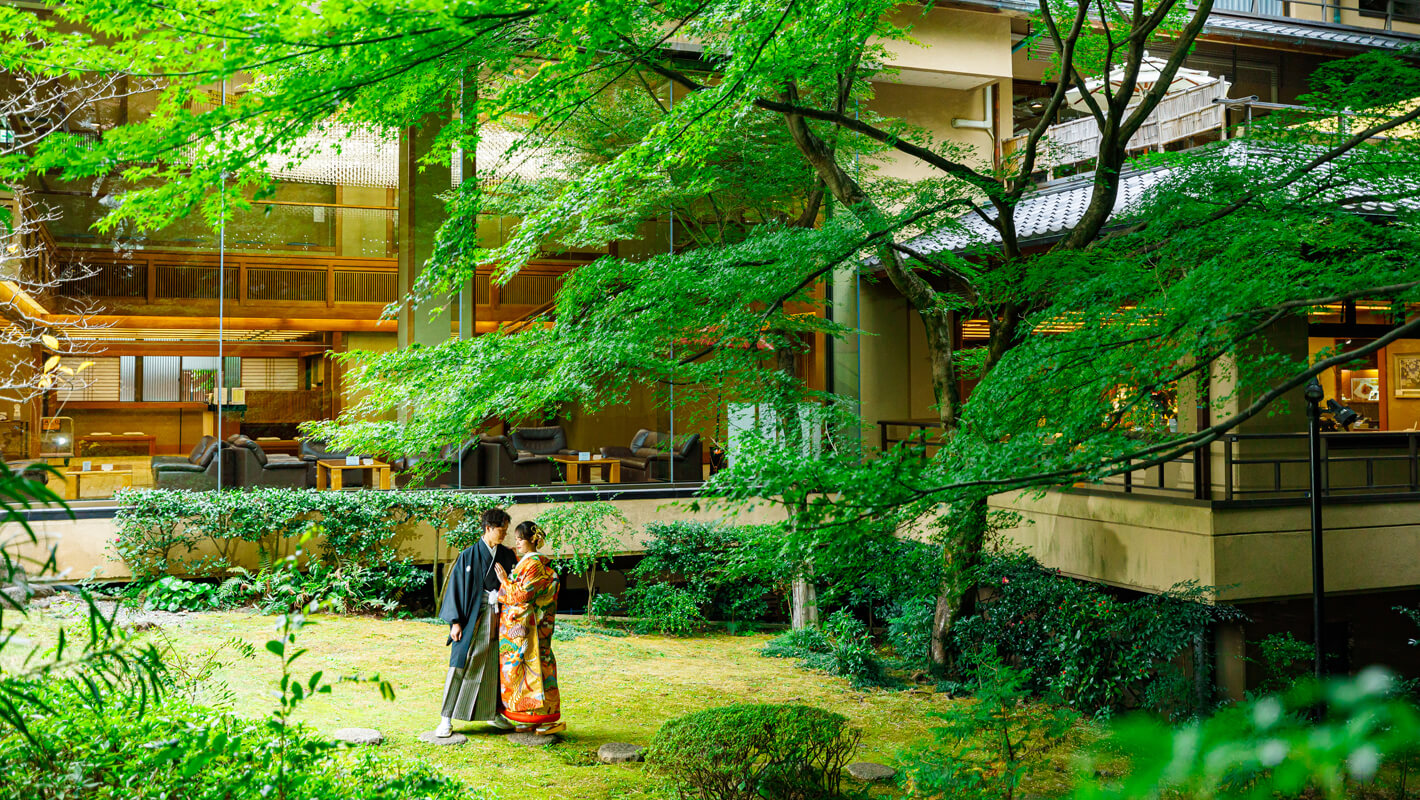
point(151, 319)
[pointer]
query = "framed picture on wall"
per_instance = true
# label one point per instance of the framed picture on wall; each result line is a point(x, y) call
point(1407, 375)
point(1365, 389)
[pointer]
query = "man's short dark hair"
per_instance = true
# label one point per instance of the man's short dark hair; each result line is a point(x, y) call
point(496, 518)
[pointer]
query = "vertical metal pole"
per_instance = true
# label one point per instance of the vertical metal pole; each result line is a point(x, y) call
point(1314, 395)
point(670, 462)
point(221, 303)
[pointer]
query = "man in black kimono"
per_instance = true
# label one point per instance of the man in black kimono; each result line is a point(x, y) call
point(471, 609)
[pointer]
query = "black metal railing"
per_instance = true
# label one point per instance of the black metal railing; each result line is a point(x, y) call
point(1254, 466)
point(1353, 463)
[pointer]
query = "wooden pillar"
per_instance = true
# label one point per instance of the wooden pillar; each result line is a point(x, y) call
point(338, 345)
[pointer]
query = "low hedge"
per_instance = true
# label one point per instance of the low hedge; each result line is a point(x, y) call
point(741, 752)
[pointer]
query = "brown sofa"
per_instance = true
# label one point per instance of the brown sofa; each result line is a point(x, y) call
point(255, 468)
point(653, 457)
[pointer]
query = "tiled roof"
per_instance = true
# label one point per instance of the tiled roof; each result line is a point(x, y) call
point(1046, 214)
point(1052, 211)
point(1295, 31)
point(1309, 32)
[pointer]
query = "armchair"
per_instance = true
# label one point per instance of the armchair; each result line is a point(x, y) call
point(255, 468)
point(190, 458)
point(468, 456)
point(652, 456)
point(548, 440)
point(503, 465)
point(202, 474)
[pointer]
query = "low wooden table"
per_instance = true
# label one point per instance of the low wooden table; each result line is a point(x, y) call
point(73, 479)
point(121, 438)
point(330, 472)
point(611, 468)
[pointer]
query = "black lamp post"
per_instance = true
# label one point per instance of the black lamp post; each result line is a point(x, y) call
point(1314, 394)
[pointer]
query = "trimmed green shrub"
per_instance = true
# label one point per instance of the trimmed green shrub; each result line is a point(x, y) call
point(742, 752)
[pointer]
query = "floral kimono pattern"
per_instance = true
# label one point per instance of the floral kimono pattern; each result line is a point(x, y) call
point(528, 669)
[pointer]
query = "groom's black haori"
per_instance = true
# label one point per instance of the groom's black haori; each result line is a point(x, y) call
point(471, 688)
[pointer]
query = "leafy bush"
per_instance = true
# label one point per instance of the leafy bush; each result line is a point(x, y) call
point(877, 573)
point(797, 644)
point(1283, 660)
point(851, 650)
point(339, 588)
point(841, 647)
point(717, 563)
point(1335, 740)
point(910, 631)
point(744, 752)
point(159, 531)
point(603, 606)
point(1096, 652)
point(357, 563)
point(588, 533)
point(175, 594)
point(180, 750)
point(987, 747)
point(668, 609)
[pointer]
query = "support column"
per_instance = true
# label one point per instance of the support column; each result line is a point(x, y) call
point(420, 214)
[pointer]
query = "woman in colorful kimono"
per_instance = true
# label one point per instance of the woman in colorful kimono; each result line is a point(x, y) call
point(528, 670)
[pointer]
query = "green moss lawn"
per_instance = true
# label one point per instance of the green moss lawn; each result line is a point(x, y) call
point(613, 689)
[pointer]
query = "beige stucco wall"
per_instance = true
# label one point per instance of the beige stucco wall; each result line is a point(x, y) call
point(82, 546)
point(950, 40)
point(1245, 553)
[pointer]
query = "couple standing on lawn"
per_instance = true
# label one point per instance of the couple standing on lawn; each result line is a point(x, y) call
point(501, 606)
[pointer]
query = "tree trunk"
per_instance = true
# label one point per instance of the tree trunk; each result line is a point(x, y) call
point(803, 603)
point(957, 597)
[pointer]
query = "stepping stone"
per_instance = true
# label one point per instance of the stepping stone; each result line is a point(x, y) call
point(620, 753)
point(430, 738)
point(871, 772)
point(530, 739)
point(358, 736)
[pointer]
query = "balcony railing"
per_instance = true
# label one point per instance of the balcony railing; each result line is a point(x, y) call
point(1372, 14)
point(1181, 115)
point(153, 276)
point(1249, 466)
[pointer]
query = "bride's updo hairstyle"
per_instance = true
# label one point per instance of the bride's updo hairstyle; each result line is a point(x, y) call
point(531, 533)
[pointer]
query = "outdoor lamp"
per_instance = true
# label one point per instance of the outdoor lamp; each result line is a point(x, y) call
point(1344, 416)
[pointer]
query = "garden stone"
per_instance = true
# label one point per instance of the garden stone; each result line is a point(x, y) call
point(620, 753)
point(359, 736)
point(429, 737)
point(871, 772)
point(530, 739)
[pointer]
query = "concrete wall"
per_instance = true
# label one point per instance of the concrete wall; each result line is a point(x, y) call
point(1248, 554)
point(886, 365)
point(82, 546)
